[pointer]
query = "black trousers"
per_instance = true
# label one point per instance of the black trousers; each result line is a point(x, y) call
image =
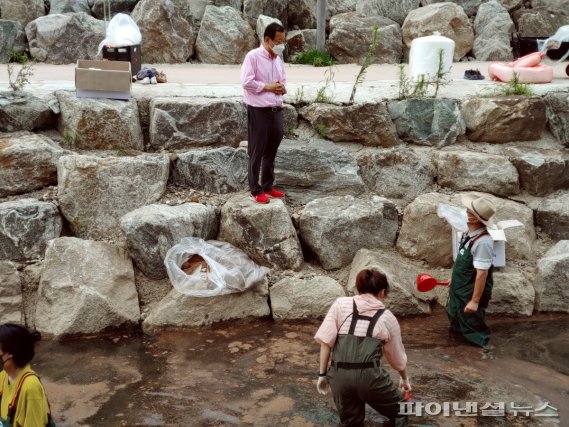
point(265, 128)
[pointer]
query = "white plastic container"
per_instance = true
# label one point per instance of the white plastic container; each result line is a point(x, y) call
point(424, 56)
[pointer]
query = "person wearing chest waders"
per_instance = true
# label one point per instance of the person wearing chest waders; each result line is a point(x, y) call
point(471, 281)
point(23, 400)
point(357, 332)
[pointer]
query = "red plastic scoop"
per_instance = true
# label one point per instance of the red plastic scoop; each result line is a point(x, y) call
point(426, 283)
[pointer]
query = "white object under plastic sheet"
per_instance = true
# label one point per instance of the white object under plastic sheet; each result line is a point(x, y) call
point(122, 31)
point(554, 42)
point(424, 57)
point(230, 270)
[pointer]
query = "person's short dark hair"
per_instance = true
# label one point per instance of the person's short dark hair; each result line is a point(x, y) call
point(371, 282)
point(19, 341)
point(272, 29)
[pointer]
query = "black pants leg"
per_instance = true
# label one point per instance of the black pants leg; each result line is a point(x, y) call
point(265, 129)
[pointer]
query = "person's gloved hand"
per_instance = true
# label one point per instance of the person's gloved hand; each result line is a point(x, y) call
point(404, 385)
point(323, 385)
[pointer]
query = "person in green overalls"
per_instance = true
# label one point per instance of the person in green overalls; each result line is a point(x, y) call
point(471, 282)
point(358, 331)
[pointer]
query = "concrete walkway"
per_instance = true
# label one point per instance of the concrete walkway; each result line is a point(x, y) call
point(381, 81)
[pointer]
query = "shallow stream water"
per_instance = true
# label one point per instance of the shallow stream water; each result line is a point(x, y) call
point(263, 373)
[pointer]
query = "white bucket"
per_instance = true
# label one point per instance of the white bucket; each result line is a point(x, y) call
point(424, 57)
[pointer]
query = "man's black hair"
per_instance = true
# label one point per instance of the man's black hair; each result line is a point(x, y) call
point(272, 29)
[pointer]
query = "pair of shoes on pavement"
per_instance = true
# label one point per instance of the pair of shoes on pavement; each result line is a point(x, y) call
point(149, 80)
point(264, 197)
point(473, 75)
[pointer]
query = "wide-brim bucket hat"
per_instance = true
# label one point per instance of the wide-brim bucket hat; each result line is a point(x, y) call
point(482, 208)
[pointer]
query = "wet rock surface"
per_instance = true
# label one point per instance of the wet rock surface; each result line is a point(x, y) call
point(262, 373)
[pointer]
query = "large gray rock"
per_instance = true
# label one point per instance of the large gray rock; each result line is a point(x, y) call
point(69, 6)
point(470, 7)
point(28, 162)
point(436, 122)
point(99, 124)
point(117, 6)
point(86, 287)
point(541, 21)
point(493, 28)
point(512, 293)
point(24, 111)
point(11, 308)
point(300, 297)
point(309, 170)
point(418, 239)
point(253, 8)
point(263, 22)
point(300, 41)
point(177, 310)
point(351, 35)
point(192, 10)
point(26, 226)
point(559, 4)
point(469, 170)
point(264, 232)
point(403, 299)
point(436, 249)
point(12, 36)
point(447, 18)
point(22, 11)
point(197, 122)
point(224, 37)
point(552, 216)
point(399, 173)
point(63, 38)
point(335, 228)
point(512, 5)
point(166, 36)
point(302, 13)
point(552, 276)
point(397, 10)
point(502, 119)
point(152, 230)
point(557, 107)
point(221, 170)
point(541, 172)
point(368, 124)
point(94, 192)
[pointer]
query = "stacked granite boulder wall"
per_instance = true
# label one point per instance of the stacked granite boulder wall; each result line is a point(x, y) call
point(11, 307)
point(95, 192)
point(197, 122)
point(552, 292)
point(264, 232)
point(152, 230)
point(557, 106)
point(177, 310)
point(335, 228)
point(12, 36)
point(85, 287)
point(22, 111)
point(493, 28)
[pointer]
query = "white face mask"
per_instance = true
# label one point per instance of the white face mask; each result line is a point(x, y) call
point(278, 49)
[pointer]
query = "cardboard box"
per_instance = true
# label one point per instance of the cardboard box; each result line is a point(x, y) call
point(103, 79)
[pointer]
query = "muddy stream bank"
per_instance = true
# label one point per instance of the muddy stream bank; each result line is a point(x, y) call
point(263, 374)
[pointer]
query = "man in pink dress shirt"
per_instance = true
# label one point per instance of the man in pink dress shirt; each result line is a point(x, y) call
point(263, 79)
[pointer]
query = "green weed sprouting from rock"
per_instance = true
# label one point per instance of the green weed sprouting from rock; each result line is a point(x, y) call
point(322, 130)
point(299, 99)
point(313, 57)
point(19, 80)
point(71, 138)
point(420, 88)
point(366, 63)
point(322, 93)
point(514, 87)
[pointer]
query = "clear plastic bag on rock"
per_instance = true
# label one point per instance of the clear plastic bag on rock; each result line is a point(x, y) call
point(121, 31)
point(214, 268)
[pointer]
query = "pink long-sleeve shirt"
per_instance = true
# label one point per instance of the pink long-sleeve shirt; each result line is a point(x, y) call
point(258, 69)
point(386, 329)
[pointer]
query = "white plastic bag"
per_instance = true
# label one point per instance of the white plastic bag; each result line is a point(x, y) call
point(229, 269)
point(122, 31)
point(554, 42)
point(455, 216)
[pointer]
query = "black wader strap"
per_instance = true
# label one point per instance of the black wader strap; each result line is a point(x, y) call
point(372, 320)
